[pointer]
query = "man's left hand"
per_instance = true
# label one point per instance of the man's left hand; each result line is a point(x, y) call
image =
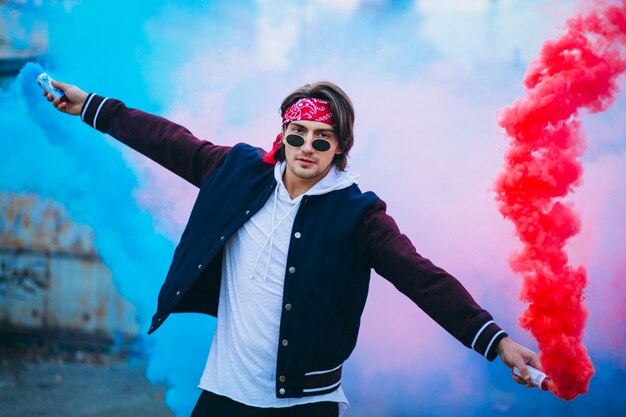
point(515, 355)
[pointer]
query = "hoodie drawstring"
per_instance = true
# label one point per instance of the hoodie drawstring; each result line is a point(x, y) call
point(270, 237)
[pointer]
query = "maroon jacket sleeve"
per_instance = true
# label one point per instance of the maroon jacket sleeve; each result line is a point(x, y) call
point(438, 293)
point(161, 140)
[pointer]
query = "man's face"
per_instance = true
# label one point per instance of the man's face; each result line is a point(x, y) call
point(304, 163)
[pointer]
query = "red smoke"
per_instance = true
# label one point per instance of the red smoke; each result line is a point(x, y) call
point(577, 71)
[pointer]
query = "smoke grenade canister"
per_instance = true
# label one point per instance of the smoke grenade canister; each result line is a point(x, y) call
point(536, 377)
point(45, 82)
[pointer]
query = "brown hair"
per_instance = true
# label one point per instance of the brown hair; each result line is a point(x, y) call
point(343, 116)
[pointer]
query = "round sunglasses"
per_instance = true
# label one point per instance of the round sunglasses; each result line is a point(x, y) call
point(320, 145)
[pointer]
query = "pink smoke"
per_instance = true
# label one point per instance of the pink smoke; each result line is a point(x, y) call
point(577, 71)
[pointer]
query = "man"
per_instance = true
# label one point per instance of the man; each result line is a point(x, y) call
point(279, 246)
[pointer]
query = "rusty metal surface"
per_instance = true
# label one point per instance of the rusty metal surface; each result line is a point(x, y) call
point(51, 277)
point(30, 223)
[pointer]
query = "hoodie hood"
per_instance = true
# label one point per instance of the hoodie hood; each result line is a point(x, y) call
point(333, 181)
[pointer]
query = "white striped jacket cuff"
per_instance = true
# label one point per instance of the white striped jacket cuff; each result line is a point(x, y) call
point(92, 109)
point(487, 338)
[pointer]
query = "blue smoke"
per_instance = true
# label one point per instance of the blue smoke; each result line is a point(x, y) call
point(60, 158)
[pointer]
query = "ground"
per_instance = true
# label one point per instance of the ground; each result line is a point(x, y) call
point(85, 384)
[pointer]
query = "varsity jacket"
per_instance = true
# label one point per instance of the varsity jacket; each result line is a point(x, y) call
point(337, 238)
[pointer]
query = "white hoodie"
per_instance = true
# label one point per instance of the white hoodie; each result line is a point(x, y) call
point(242, 361)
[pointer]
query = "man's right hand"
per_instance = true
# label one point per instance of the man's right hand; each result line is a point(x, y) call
point(73, 101)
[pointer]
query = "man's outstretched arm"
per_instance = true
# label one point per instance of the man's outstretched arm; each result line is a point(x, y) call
point(438, 293)
point(161, 140)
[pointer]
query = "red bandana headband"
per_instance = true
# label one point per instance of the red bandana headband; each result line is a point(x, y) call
point(309, 109)
point(312, 109)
